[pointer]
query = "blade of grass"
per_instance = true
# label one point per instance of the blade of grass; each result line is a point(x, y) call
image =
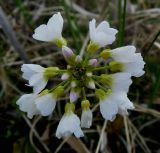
point(152, 42)
point(121, 18)
point(72, 23)
point(12, 36)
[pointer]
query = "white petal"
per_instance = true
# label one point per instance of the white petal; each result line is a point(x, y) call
point(69, 124)
point(124, 54)
point(33, 67)
point(30, 69)
point(38, 82)
point(117, 102)
point(109, 108)
point(124, 107)
point(135, 68)
point(41, 33)
point(86, 118)
point(45, 104)
point(51, 31)
point(27, 104)
point(121, 82)
point(55, 25)
point(102, 26)
point(78, 132)
point(92, 28)
point(124, 103)
point(103, 39)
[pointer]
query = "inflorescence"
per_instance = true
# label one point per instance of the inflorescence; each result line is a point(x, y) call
point(106, 73)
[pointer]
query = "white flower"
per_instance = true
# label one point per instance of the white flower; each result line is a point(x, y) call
point(113, 104)
point(35, 104)
point(50, 31)
point(45, 104)
point(27, 104)
point(86, 118)
point(131, 62)
point(117, 81)
point(35, 75)
point(69, 124)
point(103, 34)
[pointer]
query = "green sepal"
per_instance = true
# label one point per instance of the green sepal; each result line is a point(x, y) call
point(92, 47)
point(50, 72)
point(106, 79)
point(69, 107)
point(85, 104)
point(43, 93)
point(105, 54)
point(58, 92)
point(100, 93)
point(60, 42)
point(115, 66)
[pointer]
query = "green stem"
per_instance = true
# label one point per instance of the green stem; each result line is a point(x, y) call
point(60, 84)
point(100, 86)
point(61, 71)
point(101, 68)
point(84, 93)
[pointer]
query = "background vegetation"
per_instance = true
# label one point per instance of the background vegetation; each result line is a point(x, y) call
point(138, 22)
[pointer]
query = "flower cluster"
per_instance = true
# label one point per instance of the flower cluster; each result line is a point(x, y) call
point(104, 72)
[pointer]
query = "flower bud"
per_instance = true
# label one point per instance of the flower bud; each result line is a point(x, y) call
point(74, 94)
point(89, 74)
point(65, 76)
point(93, 62)
point(68, 54)
point(73, 84)
point(78, 59)
point(91, 84)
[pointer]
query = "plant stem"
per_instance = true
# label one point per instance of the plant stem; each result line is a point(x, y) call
point(84, 93)
point(101, 68)
point(101, 87)
point(60, 84)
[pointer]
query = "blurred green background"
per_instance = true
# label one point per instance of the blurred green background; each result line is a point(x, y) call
point(138, 22)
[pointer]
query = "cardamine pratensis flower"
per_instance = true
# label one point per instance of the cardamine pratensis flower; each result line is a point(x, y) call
point(106, 74)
